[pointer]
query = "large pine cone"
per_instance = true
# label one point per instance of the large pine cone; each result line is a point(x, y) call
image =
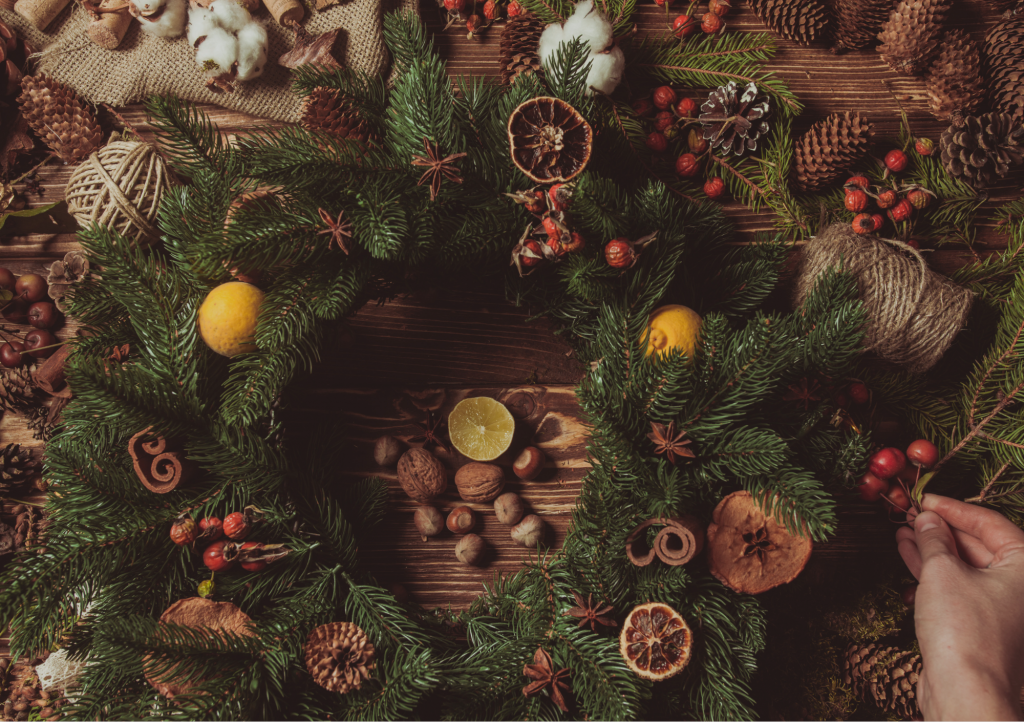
point(858, 22)
point(16, 467)
point(910, 35)
point(17, 390)
point(549, 140)
point(734, 121)
point(339, 656)
point(955, 86)
point(518, 50)
point(830, 148)
point(887, 676)
point(55, 112)
point(1004, 59)
point(327, 110)
point(983, 148)
point(804, 22)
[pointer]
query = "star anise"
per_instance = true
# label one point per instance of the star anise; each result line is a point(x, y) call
point(119, 353)
point(589, 613)
point(432, 431)
point(437, 168)
point(804, 392)
point(339, 230)
point(668, 442)
point(543, 675)
point(757, 542)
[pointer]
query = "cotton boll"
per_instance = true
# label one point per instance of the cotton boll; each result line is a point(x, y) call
point(230, 15)
point(252, 51)
point(217, 53)
point(606, 71)
point(547, 46)
point(171, 23)
point(146, 7)
point(200, 22)
point(589, 25)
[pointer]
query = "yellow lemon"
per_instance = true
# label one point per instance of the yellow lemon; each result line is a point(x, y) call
point(227, 318)
point(673, 328)
point(481, 428)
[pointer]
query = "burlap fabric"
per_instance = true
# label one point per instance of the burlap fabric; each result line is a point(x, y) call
point(145, 65)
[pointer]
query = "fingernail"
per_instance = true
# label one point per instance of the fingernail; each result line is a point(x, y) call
point(925, 521)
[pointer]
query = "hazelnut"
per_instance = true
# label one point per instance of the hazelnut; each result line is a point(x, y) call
point(429, 521)
point(479, 482)
point(529, 531)
point(422, 475)
point(387, 451)
point(461, 520)
point(470, 549)
point(508, 508)
point(529, 463)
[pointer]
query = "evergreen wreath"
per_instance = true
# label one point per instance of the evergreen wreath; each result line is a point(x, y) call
point(108, 569)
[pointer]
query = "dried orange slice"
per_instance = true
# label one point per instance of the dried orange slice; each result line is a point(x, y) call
point(655, 641)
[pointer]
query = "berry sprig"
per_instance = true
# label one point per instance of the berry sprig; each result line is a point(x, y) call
point(554, 237)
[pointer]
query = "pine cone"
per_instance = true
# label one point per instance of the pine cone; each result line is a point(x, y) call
point(16, 466)
point(17, 390)
point(55, 112)
point(910, 35)
point(830, 148)
point(954, 80)
point(327, 110)
point(339, 656)
point(1004, 60)
point(13, 53)
point(72, 269)
point(983, 148)
point(518, 50)
point(887, 676)
point(803, 22)
point(733, 121)
point(858, 22)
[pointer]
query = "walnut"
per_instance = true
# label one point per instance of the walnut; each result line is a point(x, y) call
point(422, 475)
point(480, 482)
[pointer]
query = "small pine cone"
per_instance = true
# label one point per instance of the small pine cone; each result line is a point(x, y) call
point(858, 22)
point(955, 86)
point(517, 54)
point(983, 148)
point(830, 148)
point(887, 676)
point(60, 118)
point(1004, 61)
point(327, 110)
point(339, 656)
point(910, 35)
point(17, 390)
point(804, 22)
point(16, 466)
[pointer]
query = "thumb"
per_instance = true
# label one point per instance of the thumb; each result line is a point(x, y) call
point(934, 538)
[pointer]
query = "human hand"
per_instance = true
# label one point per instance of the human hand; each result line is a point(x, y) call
point(969, 609)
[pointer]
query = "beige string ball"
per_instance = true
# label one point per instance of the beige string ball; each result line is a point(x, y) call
point(120, 187)
point(913, 312)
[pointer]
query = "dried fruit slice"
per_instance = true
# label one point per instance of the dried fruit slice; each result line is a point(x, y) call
point(481, 428)
point(655, 641)
point(549, 140)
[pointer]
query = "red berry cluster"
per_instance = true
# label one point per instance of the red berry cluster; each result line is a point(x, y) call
point(222, 554)
point(24, 304)
point(891, 477)
point(555, 230)
point(475, 20)
point(859, 194)
point(710, 22)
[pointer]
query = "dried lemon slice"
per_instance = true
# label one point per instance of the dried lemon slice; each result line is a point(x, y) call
point(481, 428)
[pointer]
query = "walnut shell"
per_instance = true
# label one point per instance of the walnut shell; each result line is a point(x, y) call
point(549, 140)
point(422, 475)
point(480, 482)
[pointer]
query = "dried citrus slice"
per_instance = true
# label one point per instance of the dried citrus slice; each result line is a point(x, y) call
point(655, 641)
point(481, 428)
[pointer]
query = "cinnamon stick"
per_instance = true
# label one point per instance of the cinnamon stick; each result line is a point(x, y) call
point(286, 12)
point(50, 374)
point(680, 541)
point(159, 469)
point(109, 29)
point(636, 544)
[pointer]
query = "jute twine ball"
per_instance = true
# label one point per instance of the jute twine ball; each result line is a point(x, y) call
point(119, 187)
point(913, 312)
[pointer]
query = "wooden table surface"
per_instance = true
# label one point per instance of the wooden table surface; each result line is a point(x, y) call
point(394, 361)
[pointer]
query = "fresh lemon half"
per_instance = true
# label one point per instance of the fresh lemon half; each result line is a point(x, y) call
point(481, 428)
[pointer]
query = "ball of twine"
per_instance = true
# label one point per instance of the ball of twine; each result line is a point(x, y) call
point(119, 187)
point(913, 312)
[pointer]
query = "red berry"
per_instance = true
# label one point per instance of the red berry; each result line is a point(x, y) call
point(720, 7)
point(684, 26)
point(619, 253)
point(711, 23)
point(643, 107)
point(39, 343)
point(560, 195)
point(887, 463)
point(924, 146)
point(473, 23)
point(43, 314)
point(871, 487)
point(537, 205)
point(236, 526)
point(492, 10)
point(663, 3)
point(575, 243)
point(896, 161)
point(917, 197)
point(863, 224)
point(687, 165)
point(663, 121)
point(31, 287)
point(184, 531)
point(686, 108)
point(879, 220)
point(537, 257)
point(898, 499)
point(923, 453)
point(454, 6)
point(657, 142)
point(714, 187)
point(887, 199)
point(11, 355)
point(665, 97)
point(254, 566)
point(858, 181)
point(514, 9)
point(7, 279)
point(909, 595)
point(914, 244)
point(211, 527)
point(859, 393)
point(220, 556)
point(552, 229)
point(856, 201)
point(901, 211)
